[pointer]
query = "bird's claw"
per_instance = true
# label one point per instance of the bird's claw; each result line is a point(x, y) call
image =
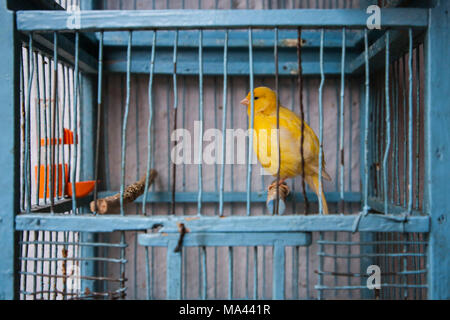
point(282, 182)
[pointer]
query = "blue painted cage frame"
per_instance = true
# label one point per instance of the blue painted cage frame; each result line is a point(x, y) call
point(406, 210)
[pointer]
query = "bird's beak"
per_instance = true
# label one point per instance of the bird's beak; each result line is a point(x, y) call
point(245, 102)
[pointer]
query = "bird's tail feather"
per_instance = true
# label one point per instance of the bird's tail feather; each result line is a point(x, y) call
point(313, 182)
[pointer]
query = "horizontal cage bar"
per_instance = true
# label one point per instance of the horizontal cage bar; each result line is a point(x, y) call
point(189, 19)
point(287, 223)
point(239, 239)
point(189, 197)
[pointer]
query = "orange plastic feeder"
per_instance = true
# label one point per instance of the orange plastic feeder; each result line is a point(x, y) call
point(82, 188)
point(57, 174)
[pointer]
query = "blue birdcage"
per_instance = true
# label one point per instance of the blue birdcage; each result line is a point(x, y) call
point(100, 95)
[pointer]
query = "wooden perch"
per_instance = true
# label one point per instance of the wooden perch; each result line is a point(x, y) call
point(131, 193)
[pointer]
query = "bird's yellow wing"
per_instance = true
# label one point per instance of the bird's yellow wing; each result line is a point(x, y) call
point(265, 145)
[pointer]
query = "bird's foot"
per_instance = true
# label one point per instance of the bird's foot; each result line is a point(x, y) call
point(274, 183)
point(283, 192)
point(283, 187)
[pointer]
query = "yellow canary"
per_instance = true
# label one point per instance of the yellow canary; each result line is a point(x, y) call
point(266, 146)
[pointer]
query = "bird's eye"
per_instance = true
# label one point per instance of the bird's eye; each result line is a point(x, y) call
point(256, 98)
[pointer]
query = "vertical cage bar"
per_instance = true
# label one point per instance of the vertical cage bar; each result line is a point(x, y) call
point(35, 235)
point(59, 134)
point(27, 125)
point(279, 265)
point(322, 80)
point(125, 122)
point(46, 82)
point(215, 270)
point(292, 89)
point(410, 122)
point(70, 75)
point(204, 274)
point(231, 125)
point(393, 153)
point(216, 162)
point(224, 121)
point(168, 112)
point(252, 106)
point(418, 117)
point(302, 115)
point(173, 272)
point(247, 272)
point(335, 263)
point(74, 124)
point(199, 256)
point(396, 170)
point(373, 152)
point(230, 273)
point(341, 119)
point(185, 257)
point(263, 289)
point(23, 268)
point(275, 53)
point(175, 108)
point(405, 266)
point(151, 142)
point(122, 265)
point(41, 254)
point(63, 113)
point(51, 264)
point(99, 115)
point(388, 126)
point(320, 267)
point(38, 127)
point(53, 139)
point(200, 139)
point(147, 274)
point(22, 130)
point(150, 122)
point(200, 142)
point(366, 126)
point(255, 272)
point(383, 131)
point(405, 131)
